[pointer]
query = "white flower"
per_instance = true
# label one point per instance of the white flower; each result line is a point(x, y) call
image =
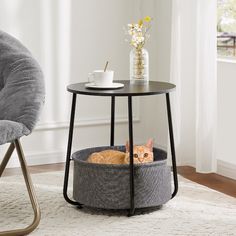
point(141, 39)
point(138, 32)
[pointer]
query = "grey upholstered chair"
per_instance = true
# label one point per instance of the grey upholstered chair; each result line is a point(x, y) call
point(21, 99)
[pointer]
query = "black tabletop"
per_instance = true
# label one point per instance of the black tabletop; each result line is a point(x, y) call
point(151, 88)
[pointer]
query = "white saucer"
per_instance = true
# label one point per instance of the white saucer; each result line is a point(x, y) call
point(113, 86)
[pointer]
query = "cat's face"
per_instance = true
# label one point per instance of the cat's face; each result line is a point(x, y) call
point(141, 154)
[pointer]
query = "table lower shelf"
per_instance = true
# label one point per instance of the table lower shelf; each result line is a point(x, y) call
point(108, 186)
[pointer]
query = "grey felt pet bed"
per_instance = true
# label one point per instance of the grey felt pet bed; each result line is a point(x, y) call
point(108, 186)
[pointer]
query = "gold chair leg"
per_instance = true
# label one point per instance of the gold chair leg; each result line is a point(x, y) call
point(30, 188)
point(6, 158)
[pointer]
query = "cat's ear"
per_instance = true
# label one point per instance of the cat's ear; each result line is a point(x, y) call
point(127, 146)
point(149, 144)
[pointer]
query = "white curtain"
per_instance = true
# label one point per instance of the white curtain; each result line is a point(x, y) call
point(193, 70)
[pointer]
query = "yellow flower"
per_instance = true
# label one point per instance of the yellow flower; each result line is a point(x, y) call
point(140, 22)
point(147, 18)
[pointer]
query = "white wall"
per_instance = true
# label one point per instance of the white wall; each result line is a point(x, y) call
point(226, 139)
point(70, 39)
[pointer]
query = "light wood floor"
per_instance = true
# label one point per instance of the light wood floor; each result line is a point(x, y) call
point(214, 181)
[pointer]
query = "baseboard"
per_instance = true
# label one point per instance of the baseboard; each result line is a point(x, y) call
point(226, 169)
point(41, 158)
point(47, 158)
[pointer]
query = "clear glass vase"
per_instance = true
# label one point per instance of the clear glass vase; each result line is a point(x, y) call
point(139, 66)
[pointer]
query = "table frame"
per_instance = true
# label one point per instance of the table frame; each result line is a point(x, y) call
point(112, 134)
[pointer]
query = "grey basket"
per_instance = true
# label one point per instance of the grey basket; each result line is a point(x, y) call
point(108, 186)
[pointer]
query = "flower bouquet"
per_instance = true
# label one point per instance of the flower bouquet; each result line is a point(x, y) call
point(139, 59)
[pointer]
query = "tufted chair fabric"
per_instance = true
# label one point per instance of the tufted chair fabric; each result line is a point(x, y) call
point(21, 89)
point(21, 100)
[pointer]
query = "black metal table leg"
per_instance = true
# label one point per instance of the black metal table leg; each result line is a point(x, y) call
point(112, 121)
point(172, 146)
point(68, 155)
point(131, 165)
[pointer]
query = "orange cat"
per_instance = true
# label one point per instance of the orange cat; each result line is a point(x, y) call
point(141, 154)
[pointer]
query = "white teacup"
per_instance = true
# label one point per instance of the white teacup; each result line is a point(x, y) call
point(101, 78)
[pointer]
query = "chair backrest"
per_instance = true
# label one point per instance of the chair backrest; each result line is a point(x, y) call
point(22, 90)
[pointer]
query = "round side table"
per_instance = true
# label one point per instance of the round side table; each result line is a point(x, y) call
point(129, 90)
